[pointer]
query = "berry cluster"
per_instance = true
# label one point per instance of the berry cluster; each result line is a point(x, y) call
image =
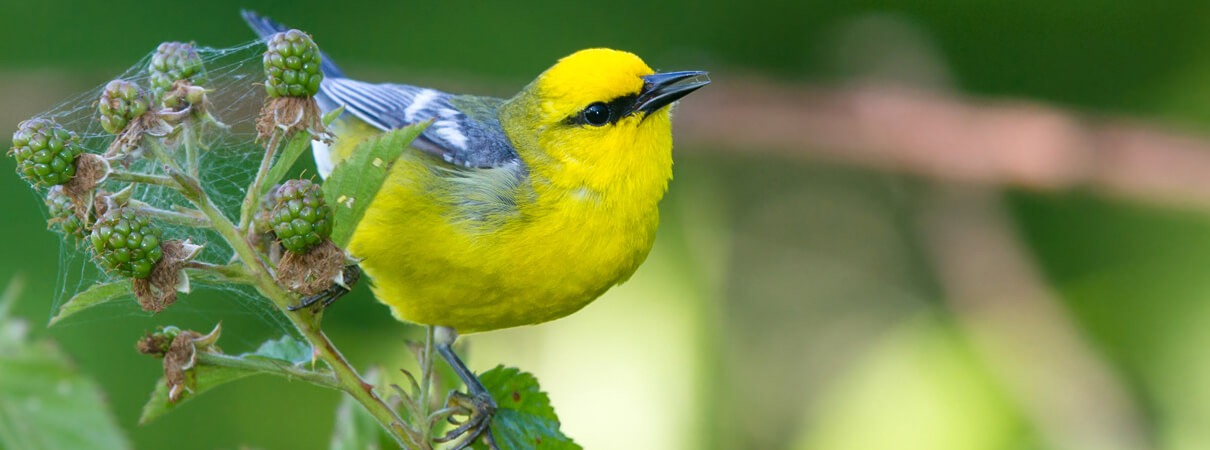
point(63, 214)
point(121, 102)
point(301, 218)
point(127, 243)
point(173, 61)
point(292, 65)
point(45, 152)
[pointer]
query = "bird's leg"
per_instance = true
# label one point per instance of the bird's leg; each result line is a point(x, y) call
point(348, 278)
point(477, 402)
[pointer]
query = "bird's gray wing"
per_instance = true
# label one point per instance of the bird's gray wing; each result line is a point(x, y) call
point(468, 134)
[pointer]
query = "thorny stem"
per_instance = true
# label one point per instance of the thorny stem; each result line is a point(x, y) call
point(269, 366)
point(253, 196)
point(262, 279)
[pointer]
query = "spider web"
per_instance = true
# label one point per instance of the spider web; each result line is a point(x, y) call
point(228, 162)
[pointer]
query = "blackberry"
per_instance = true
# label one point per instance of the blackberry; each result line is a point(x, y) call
point(292, 65)
point(63, 213)
point(127, 243)
point(301, 218)
point(173, 61)
point(45, 152)
point(120, 103)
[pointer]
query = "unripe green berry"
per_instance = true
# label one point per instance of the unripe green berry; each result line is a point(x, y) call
point(45, 152)
point(171, 62)
point(292, 65)
point(126, 243)
point(63, 213)
point(301, 218)
point(120, 103)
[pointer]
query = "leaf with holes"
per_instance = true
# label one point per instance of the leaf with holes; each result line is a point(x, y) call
point(524, 418)
point(356, 180)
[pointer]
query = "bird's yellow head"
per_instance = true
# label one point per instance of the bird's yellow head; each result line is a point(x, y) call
point(600, 117)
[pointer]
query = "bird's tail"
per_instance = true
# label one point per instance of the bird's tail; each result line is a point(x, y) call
point(265, 27)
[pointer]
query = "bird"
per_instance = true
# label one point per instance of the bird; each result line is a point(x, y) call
point(507, 211)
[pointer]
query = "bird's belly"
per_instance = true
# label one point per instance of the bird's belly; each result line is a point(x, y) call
point(433, 265)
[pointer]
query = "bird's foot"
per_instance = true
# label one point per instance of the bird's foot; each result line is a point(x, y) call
point(478, 410)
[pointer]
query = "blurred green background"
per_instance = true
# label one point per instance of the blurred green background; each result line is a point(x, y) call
point(789, 302)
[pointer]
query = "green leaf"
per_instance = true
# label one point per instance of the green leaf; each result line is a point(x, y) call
point(289, 155)
point(295, 148)
point(524, 418)
point(44, 402)
point(201, 379)
point(287, 348)
point(356, 180)
point(95, 295)
point(356, 428)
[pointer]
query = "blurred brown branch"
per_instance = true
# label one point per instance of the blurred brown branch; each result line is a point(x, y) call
point(1019, 328)
point(949, 138)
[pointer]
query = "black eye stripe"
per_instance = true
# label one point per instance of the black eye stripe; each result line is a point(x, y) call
point(618, 108)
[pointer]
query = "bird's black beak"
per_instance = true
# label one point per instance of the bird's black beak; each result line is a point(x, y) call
point(661, 89)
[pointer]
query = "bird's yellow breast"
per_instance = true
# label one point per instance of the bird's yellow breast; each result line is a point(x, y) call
point(483, 249)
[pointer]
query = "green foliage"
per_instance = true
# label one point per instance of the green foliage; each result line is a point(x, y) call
point(524, 418)
point(299, 143)
point(296, 147)
point(356, 180)
point(200, 378)
point(287, 348)
point(44, 402)
point(96, 294)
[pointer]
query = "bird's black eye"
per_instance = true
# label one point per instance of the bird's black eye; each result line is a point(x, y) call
point(596, 114)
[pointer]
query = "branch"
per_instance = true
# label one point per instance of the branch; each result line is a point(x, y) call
point(948, 138)
point(132, 177)
point(1011, 315)
point(194, 219)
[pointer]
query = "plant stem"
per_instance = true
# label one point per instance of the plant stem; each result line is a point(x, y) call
point(426, 381)
point(268, 366)
point(132, 177)
point(252, 197)
point(191, 144)
point(262, 279)
point(229, 273)
point(195, 219)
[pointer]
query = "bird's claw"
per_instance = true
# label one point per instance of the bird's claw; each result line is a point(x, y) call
point(478, 409)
